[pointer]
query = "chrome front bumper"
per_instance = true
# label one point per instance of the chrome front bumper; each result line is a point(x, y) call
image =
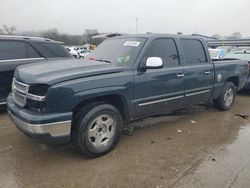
point(56, 129)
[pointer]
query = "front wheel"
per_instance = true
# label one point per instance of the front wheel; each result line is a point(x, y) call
point(97, 131)
point(227, 97)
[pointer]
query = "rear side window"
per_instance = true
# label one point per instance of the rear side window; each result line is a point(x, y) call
point(16, 50)
point(51, 49)
point(193, 51)
point(31, 53)
point(165, 49)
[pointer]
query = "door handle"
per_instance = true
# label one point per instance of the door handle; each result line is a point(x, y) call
point(180, 75)
point(207, 72)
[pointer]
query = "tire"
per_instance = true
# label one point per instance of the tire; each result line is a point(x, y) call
point(96, 129)
point(227, 97)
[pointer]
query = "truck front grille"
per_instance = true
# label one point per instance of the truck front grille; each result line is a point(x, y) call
point(19, 91)
point(19, 99)
point(38, 106)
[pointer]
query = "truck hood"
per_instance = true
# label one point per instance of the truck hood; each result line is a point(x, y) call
point(62, 70)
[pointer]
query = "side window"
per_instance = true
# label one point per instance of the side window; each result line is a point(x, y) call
point(31, 53)
point(51, 49)
point(16, 50)
point(194, 51)
point(12, 50)
point(166, 49)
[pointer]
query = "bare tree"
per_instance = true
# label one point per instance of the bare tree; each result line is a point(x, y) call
point(236, 35)
point(88, 34)
point(10, 30)
point(50, 33)
point(66, 38)
point(29, 33)
point(217, 36)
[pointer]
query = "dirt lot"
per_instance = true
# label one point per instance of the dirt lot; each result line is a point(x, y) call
point(197, 147)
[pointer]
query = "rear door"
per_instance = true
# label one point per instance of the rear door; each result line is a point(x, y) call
point(13, 54)
point(160, 90)
point(198, 70)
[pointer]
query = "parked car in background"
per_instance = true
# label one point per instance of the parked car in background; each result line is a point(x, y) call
point(20, 50)
point(239, 53)
point(217, 53)
point(126, 78)
point(242, 54)
point(83, 53)
point(227, 48)
point(73, 52)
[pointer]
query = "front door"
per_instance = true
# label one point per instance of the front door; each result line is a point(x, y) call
point(160, 90)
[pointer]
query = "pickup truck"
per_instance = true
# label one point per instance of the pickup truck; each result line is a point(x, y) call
point(126, 78)
point(20, 50)
point(242, 53)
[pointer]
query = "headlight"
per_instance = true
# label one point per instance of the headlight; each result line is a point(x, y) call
point(36, 97)
point(39, 89)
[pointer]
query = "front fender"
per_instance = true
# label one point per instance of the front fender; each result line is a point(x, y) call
point(67, 95)
point(100, 92)
point(64, 99)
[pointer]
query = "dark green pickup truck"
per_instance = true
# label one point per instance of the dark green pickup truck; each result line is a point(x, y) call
point(124, 79)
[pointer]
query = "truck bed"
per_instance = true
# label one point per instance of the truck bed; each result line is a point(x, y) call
point(232, 67)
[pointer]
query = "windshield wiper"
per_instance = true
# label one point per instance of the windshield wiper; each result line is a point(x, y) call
point(103, 60)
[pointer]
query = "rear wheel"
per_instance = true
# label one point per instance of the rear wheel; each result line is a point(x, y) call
point(227, 97)
point(97, 130)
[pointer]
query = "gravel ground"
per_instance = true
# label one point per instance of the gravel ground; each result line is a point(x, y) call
point(196, 147)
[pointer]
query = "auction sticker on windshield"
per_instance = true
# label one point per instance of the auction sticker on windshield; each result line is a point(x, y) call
point(132, 43)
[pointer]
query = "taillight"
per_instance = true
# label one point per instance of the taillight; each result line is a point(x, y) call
point(249, 66)
point(91, 58)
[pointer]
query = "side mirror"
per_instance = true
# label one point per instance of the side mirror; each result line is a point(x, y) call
point(154, 63)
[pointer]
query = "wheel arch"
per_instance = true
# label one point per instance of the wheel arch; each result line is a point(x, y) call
point(117, 100)
point(234, 80)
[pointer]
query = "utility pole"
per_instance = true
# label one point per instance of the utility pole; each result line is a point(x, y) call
point(136, 25)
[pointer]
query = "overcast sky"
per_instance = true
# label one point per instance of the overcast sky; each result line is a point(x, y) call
point(160, 16)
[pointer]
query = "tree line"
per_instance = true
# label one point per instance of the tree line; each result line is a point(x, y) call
point(78, 40)
point(54, 34)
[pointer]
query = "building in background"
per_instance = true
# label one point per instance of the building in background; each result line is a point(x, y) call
point(98, 39)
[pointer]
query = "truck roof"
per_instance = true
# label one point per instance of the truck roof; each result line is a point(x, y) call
point(27, 38)
point(159, 35)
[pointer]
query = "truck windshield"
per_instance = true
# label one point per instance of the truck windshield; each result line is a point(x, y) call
point(120, 51)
